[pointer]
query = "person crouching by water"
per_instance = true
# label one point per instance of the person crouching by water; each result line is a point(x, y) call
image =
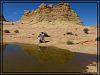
point(41, 37)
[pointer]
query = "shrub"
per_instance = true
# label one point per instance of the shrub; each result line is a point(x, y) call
point(86, 30)
point(32, 34)
point(6, 31)
point(69, 42)
point(64, 34)
point(69, 33)
point(76, 35)
point(16, 31)
point(97, 39)
point(12, 23)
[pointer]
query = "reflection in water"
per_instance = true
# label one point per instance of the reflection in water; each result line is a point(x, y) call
point(44, 54)
point(33, 58)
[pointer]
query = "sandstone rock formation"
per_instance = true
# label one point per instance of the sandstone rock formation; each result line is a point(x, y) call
point(50, 13)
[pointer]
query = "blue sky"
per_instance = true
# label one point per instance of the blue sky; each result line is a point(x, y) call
point(86, 11)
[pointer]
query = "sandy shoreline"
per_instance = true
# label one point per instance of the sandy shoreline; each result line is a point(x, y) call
point(81, 48)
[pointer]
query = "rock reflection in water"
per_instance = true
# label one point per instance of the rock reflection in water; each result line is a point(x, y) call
point(48, 54)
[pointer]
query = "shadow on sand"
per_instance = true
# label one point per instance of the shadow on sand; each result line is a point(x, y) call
point(47, 41)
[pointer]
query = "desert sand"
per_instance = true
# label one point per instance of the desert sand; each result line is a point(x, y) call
point(83, 42)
